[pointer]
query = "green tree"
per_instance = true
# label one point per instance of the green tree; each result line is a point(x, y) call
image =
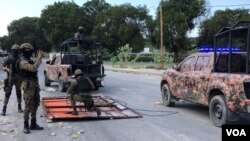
point(124, 54)
point(152, 31)
point(61, 20)
point(221, 18)
point(179, 18)
point(5, 43)
point(91, 9)
point(26, 30)
point(122, 24)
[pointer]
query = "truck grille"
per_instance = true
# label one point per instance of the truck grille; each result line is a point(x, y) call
point(247, 88)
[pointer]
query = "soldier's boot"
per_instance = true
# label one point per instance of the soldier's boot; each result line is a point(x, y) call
point(20, 110)
point(34, 125)
point(98, 112)
point(3, 113)
point(26, 129)
point(74, 111)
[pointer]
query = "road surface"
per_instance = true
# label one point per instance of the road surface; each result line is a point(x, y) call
point(184, 122)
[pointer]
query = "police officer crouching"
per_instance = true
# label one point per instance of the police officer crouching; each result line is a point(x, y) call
point(79, 91)
point(28, 70)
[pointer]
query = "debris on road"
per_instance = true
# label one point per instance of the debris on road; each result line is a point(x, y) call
point(5, 122)
point(49, 120)
point(60, 108)
point(53, 134)
point(158, 103)
point(74, 135)
point(49, 89)
point(81, 131)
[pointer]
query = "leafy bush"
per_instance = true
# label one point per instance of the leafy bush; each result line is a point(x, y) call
point(114, 60)
point(167, 57)
point(145, 59)
point(124, 54)
point(106, 58)
point(150, 67)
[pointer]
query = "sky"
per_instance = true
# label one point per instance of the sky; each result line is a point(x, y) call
point(15, 9)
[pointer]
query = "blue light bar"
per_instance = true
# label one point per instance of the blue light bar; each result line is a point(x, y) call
point(219, 49)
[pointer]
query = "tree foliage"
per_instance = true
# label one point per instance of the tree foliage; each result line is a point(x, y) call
point(5, 43)
point(179, 18)
point(91, 9)
point(26, 30)
point(220, 19)
point(60, 21)
point(123, 24)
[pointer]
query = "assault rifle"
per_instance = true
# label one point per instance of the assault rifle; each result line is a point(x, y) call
point(7, 81)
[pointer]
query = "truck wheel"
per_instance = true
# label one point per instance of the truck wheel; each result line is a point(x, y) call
point(46, 80)
point(62, 86)
point(96, 88)
point(218, 110)
point(167, 98)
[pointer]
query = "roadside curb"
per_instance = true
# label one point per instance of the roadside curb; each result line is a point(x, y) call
point(157, 73)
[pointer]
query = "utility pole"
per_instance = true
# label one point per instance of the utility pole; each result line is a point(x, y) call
point(161, 31)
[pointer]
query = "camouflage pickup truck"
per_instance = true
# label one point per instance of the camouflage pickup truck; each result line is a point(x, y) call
point(71, 57)
point(216, 77)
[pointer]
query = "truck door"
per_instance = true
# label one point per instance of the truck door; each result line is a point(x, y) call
point(200, 79)
point(53, 69)
point(186, 69)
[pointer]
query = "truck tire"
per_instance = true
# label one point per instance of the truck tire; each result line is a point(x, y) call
point(96, 88)
point(218, 110)
point(46, 80)
point(62, 86)
point(167, 97)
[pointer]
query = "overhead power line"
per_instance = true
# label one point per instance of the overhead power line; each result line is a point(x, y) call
point(237, 5)
point(211, 6)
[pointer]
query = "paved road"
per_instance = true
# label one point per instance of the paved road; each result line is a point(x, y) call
point(184, 122)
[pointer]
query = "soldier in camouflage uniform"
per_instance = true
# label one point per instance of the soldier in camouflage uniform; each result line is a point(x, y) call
point(30, 87)
point(79, 34)
point(13, 78)
point(79, 91)
point(79, 37)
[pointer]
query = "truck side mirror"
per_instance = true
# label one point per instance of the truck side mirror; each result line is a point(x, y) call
point(48, 62)
point(175, 67)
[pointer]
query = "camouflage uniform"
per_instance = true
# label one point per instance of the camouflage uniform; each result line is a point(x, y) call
point(30, 87)
point(79, 34)
point(79, 37)
point(79, 91)
point(13, 78)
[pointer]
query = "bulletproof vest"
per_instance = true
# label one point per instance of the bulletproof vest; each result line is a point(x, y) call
point(12, 63)
point(26, 75)
point(83, 85)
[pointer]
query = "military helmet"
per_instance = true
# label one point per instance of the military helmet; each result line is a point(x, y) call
point(80, 28)
point(78, 72)
point(15, 46)
point(26, 46)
